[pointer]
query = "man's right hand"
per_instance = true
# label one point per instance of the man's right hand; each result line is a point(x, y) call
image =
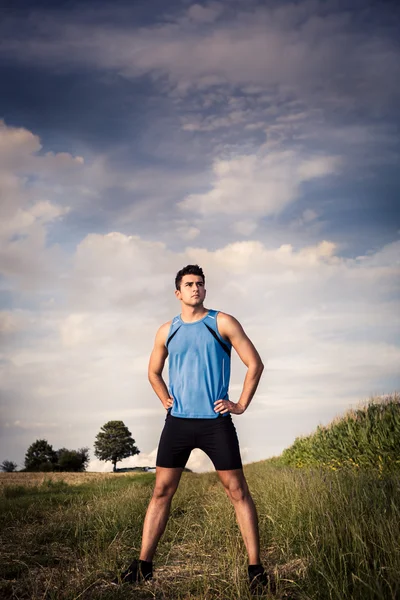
point(167, 404)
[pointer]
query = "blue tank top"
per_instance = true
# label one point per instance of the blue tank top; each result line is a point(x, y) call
point(199, 367)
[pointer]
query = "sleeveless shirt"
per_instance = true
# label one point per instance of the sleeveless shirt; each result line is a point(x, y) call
point(199, 367)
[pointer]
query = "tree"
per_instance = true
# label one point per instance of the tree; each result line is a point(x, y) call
point(114, 442)
point(8, 466)
point(40, 456)
point(72, 460)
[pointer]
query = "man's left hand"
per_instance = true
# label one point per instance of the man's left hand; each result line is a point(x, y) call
point(225, 406)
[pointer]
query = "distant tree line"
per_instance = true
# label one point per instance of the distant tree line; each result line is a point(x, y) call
point(40, 456)
point(8, 466)
point(113, 443)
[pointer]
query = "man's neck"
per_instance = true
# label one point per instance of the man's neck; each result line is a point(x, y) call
point(192, 313)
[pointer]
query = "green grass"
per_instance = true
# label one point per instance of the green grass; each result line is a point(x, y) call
point(325, 534)
point(368, 437)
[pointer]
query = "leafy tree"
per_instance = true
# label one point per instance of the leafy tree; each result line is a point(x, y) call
point(114, 442)
point(72, 460)
point(40, 456)
point(8, 466)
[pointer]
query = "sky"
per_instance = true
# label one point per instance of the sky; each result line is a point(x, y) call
point(259, 140)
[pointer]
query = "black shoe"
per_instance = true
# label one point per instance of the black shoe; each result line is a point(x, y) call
point(260, 581)
point(136, 572)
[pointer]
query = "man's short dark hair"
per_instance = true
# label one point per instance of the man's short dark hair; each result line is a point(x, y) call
point(188, 270)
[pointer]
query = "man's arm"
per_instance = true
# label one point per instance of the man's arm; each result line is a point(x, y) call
point(232, 330)
point(156, 365)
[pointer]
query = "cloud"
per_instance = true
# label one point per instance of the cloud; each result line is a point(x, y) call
point(309, 215)
point(30, 425)
point(89, 246)
point(186, 231)
point(315, 49)
point(325, 326)
point(245, 227)
point(16, 146)
point(262, 184)
point(11, 322)
point(212, 122)
point(19, 153)
point(205, 14)
point(25, 212)
point(120, 270)
point(38, 190)
point(198, 462)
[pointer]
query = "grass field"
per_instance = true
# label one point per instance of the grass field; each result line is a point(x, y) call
point(325, 534)
point(37, 479)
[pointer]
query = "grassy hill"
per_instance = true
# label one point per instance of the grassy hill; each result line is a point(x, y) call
point(368, 437)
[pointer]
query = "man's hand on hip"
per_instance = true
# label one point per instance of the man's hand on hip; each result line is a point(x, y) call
point(167, 403)
point(225, 406)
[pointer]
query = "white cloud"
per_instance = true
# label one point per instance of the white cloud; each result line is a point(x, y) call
point(205, 14)
point(75, 331)
point(17, 144)
point(212, 122)
point(262, 184)
point(198, 461)
point(317, 167)
point(119, 270)
point(144, 459)
point(11, 322)
point(20, 154)
point(324, 325)
point(30, 425)
point(25, 176)
point(245, 227)
point(46, 212)
point(309, 215)
point(187, 232)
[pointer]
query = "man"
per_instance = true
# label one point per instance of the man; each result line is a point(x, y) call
point(198, 343)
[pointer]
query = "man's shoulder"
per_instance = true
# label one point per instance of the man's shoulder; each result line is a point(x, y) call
point(163, 331)
point(227, 324)
point(224, 317)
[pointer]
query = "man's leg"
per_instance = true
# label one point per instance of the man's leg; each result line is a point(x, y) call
point(235, 486)
point(157, 514)
point(167, 481)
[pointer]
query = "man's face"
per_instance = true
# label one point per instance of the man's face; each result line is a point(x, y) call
point(192, 292)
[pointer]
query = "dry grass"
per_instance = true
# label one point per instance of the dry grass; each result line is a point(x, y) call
point(34, 479)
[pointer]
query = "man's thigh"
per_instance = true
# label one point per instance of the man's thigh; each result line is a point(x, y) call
point(167, 480)
point(233, 479)
point(218, 439)
point(176, 443)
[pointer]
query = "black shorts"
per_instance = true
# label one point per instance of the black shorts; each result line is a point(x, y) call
point(216, 437)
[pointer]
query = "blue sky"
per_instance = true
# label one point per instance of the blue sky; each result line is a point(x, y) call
point(259, 139)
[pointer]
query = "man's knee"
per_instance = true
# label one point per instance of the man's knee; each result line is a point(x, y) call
point(164, 491)
point(237, 491)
